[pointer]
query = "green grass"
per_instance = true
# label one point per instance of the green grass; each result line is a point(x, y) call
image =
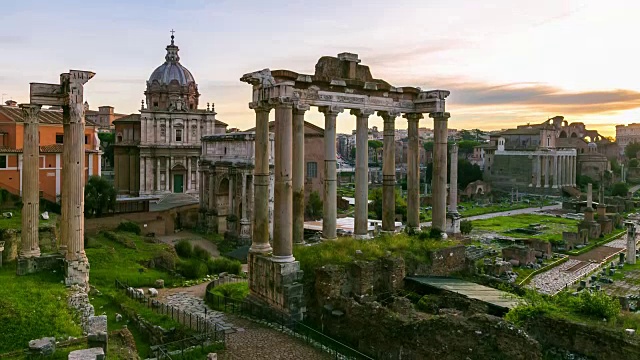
point(32, 307)
point(503, 224)
point(236, 291)
point(16, 221)
point(343, 250)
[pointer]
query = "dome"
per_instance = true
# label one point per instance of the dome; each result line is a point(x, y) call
point(592, 145)
point(172, 69)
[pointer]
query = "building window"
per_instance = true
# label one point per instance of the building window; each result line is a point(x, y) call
point(86, 140)
point(312, 169)
point(548, 141)
point(3, 161)
point(155, 104)
point(59, 138)
point(178, 135)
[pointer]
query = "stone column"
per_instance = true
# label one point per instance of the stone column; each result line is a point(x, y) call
point(631, 242)
point(77, 269)
point(330, 206)
point(589, 195)
point(232, 193)
point(555, 171)
point(188, 179)
point(545, 170)
point(212, 190)
point(245, 224)
point(260, 241)
point(283, 201)
point(574, 163)
point(453, 180)
point(413, 172)
point(439, 182)
point(361, 227)
point(538, 167)
point(298, 172)
point(30, 184)
point(388, 172)
point(158, 174)
point(167, 171)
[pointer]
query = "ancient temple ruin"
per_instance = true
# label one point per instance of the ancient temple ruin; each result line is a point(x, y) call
point(338, 84)
point(68, 94)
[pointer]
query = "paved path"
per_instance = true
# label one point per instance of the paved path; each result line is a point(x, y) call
point(257, 341)
point(634, 188)
point(507, 213)
point(196, 306)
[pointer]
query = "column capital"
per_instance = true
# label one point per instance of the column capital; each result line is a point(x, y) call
point(260, 106)
point(454, 147)
point(299, 108)
point(442, 116)
point(30, 112)
point(413, 116)
point(281, 102)
point(330, 110)
point(388, 115)
point(362, 112)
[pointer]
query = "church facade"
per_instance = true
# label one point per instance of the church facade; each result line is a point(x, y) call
point(157, 151)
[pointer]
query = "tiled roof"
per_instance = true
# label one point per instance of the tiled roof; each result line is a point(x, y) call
point(128, 118)
point(9, 151)
point(55, 148)
point(46, 116)
point(44, 149)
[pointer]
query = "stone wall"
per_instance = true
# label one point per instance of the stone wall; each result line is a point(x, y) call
point(158, 222)
point(277, 285)
point(443, 262)
point(79, 301)
point(40, 263)
point(595, 342)
point(48, 238)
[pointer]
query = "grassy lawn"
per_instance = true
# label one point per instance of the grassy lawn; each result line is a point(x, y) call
point(504, 224)
point(32, 307)
point(343, 250)
point(16, 221)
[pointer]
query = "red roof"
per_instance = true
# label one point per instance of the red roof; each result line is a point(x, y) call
point(46, 116)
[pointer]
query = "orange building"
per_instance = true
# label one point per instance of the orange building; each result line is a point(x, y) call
point(51, 141)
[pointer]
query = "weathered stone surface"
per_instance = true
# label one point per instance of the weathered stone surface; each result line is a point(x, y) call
point(45, 346)
point(212, 356)
point(159, 283)
point(87, 354)
point(153, 292)
point(97, 324)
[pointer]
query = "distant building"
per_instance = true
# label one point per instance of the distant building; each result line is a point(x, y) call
point(626, 135)
point(51, 140)
point(104, 117)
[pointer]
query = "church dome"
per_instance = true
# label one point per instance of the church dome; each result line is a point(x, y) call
point(592, 145)
point(172, 69)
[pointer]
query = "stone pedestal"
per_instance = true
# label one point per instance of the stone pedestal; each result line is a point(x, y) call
point(76, 272)
point(631, 243)
point(453, 223)
point(276, 284)
point(245, 232)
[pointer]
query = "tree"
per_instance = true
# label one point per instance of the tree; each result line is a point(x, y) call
point(375, 145)
point(353, 152)
point(468, 173)
point(615, 167)
point(631, 151)
point(633, 163)
point(428, 146)
point(465, 147)
point(99, 196)
point(314, 206)
point(376, 204)
point(106, 141)
point(620, 189)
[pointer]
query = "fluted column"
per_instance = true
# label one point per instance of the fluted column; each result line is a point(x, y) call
point(188, 179)
point(283, 200)
point(545, 170)
point(73, 184)
point(360, 230)
point(555, 172)
point(158, 174)
point(30, 187)
point(413, 172)
point(260, 240)
point(298, 172)
point(453, 180)
point(538, 167)
point(388, 172)
point(439, 181)
point(330, 206)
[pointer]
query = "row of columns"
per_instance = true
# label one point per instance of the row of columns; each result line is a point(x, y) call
point(167, 184)
point(561, 169)
point(289, 175)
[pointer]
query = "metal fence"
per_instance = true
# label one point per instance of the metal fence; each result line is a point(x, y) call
point(282, 322)
point(201, 325)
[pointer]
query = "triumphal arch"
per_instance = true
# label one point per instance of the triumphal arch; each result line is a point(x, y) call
point(338, 84)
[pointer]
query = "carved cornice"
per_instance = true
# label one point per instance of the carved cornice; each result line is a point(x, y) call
point(299, 108)
point(30, 113)
point(330, 110)
point(281, 101)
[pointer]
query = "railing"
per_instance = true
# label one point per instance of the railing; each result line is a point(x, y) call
point(282, 322)
point(200, 324)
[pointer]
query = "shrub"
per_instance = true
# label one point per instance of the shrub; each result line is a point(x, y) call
point(184, 249)
point(165, 259)
point(427, 304)
point(219, 265)
point(193, 269)
point(237, 291)
point(423, 235)
point(129, 226)
point(466, 226)
point(435, 233)
point(200, 253)
point(596, 304)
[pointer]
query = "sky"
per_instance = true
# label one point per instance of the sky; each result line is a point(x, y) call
point(506, 62)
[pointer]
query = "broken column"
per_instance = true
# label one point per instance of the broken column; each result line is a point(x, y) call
point(362, 174)
point(388, 172)
point(298, 172)
point(77, 264)
point(439, 181)
point(453, 217)
point(260, 241)
point(413, 172)
point(30, 179)
point(330, 206)
point(631, 242)
point(589, 195)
